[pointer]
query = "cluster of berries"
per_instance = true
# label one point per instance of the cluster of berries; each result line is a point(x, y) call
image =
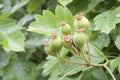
point(78, 38)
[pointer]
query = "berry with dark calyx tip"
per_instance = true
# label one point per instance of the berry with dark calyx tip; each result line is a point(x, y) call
point(67, 41)
point(79, 39)
point(48, 48)
point(81, 21)
point(65, 28)
point(56, 42)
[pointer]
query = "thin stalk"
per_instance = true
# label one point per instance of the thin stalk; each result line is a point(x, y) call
point(87, 41)
point(59, 56)
point(110, 72)
point(69, 61)
point(111, 56)
point(84, 55)
point(76, 50)
point(105, 66)
point(99, 65)
point(72, 51)
point(73, 62)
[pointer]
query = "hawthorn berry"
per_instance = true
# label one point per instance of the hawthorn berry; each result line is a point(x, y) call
point(81, 21)
point(67, 41)
point(56, 43)
point(48, 49)
point(65, 28)
point(79, 39)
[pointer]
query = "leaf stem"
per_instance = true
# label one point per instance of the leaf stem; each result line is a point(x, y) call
point(87, 41)
point(105, 66)
point(76, 50)
point(72, 51)
point(84, 55)
point(69, 61)
point(110, 72)
point(73, 62)
point(100, 65)
point(111, 56)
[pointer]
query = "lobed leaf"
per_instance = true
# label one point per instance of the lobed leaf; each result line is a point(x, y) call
point(49, 22)
point(96, 55)
point(11, 37)
point(106, 21)
point(62, 70)
point(114, 63)
point(18, 70)
point(100, 39)
point(94, 74)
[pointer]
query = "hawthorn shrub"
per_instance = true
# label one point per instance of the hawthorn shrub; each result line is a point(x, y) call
point(59, 39)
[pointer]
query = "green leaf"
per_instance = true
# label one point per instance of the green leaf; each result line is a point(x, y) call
point(8, 10)
point(96, 55)
point(117, 42)
point(33, 40)
point(61, 70)
point(106, 21)
point(115, 33)
point(100, 39)
point(52, 5)
point(48, 22)
point(64, 2)
point(89, 5)
point(44, 24)
point(13, 41)
point(77, 6)
point(114, 63)
point(92, 4)
point(119, 68)
point(18, 6)
point(25, 20)
point(11, 37)
point(7, 6)
point(33, 5)
point(17, 70)
point(72, 70)
point(64, 14)
point(9, 27)
point(52, 61)
point(119, 0)
point(5, 15)
point(94, 74)
point(4, 59)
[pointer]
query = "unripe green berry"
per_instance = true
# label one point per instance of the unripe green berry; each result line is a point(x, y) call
point(48, 49)
point(65, 28)
point(79, 39)
point(56, 43)
point(81, 21)
point(67, 41)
